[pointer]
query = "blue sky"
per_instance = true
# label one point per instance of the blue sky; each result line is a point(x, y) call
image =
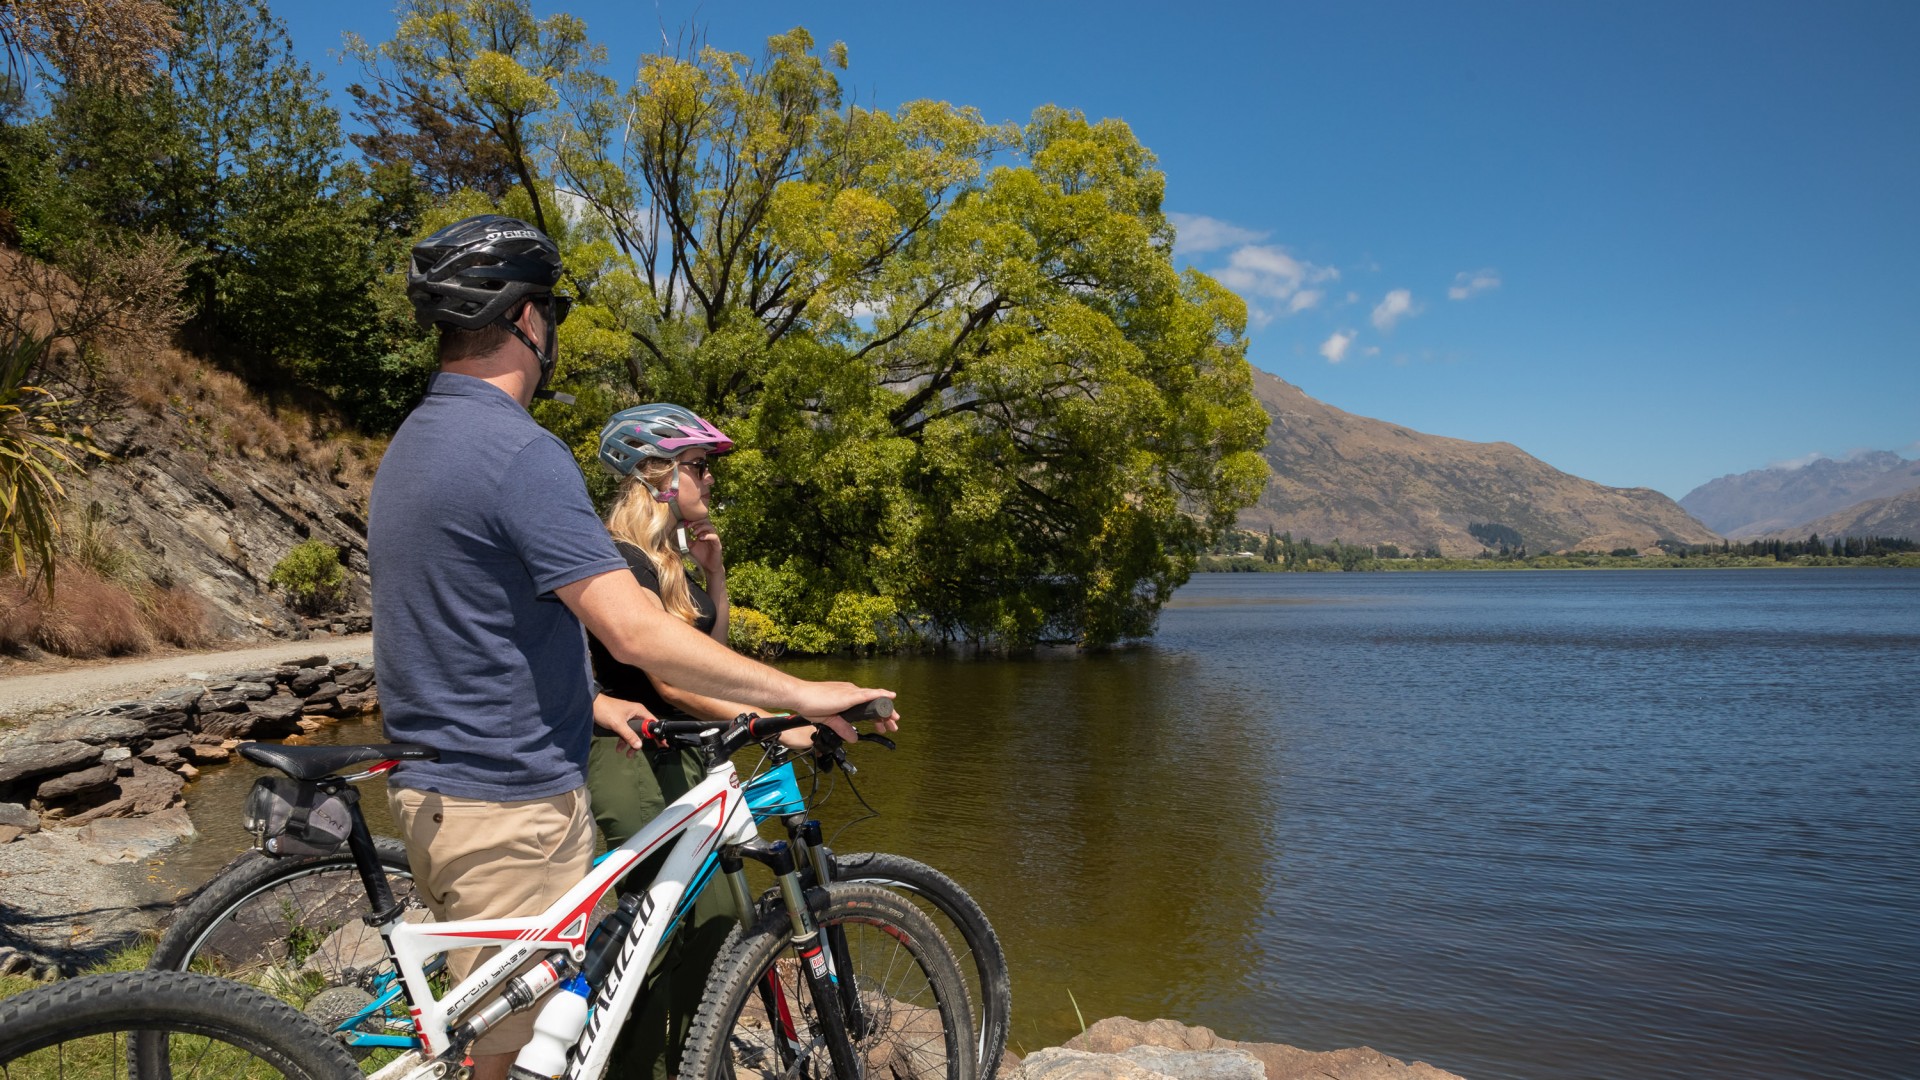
point(1650, 243)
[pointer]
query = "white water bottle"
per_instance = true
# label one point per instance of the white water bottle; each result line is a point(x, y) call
point(555, 1031)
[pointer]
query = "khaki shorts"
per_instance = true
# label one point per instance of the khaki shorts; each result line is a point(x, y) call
point(474, 859)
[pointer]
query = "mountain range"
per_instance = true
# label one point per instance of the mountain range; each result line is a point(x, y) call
point(1338, 476)
point(1789, 501)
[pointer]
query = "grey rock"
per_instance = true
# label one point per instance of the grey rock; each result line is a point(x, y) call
point(308, 678)
point(10, 833)
point(221, 701)
point(205, 753)
point(15, 815)
point(278, 707)
point(38, 759)
point(184, 699)
point(355, 680)
point(149, 789)
point(116, 753)
point(260, 675)
point(254, 691)
point(318, 660)
point(325, 692)
point(124, 840)
point(166, 751)
point(341, 667)
point(88, 728)
point(228, 725)
point(1059, 1063)
point(67, 785)
point(354, 704)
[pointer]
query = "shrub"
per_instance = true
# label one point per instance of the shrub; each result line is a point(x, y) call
point(752, 633)
point(312, 576)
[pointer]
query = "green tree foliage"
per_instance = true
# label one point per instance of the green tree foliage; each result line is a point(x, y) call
point(312, 576)
point(972, 388)
point(1495, 535)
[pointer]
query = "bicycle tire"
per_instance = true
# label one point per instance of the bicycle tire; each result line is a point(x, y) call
point(908, 980)
point(232, 929)
point(983, 965)
point(56, 1031)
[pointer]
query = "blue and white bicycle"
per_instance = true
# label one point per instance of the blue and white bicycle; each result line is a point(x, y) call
point(327, 928)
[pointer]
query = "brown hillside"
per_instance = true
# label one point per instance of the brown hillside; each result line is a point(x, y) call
point(206, 487)
point(1337, 476)
point(1894, 515)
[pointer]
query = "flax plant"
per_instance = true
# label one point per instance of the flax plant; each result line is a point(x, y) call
point(34, 449)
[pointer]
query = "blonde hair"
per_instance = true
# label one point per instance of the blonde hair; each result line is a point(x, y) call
point(647, 523)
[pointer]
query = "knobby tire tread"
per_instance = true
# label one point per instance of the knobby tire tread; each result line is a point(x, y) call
point(732, 984)
point(246, 876)
point(176, 1002)
point(995, 1012)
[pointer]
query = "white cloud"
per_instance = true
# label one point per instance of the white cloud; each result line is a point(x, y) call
point(1468, 283)
point(1397, 305)
point(1305, 299)
point(1353, 297)
point(1335, 347)
point(1371, 350)
point(1197, 232)
point(1800, 462)
point(1261, 270)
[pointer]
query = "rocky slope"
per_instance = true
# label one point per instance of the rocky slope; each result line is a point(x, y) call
point(1785, 501)
point(1337, 476)
point(217, 521)
point(1894, 515)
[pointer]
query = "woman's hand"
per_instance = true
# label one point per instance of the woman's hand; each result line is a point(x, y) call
point(703, 543)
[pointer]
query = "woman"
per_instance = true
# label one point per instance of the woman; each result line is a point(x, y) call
point(659, 518)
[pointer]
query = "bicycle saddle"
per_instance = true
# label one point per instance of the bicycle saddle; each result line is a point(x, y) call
point(314, 762)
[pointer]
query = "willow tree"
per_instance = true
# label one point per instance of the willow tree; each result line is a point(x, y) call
point(973, 393)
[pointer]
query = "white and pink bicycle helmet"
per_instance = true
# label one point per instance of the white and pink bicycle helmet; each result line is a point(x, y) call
point(660, 430)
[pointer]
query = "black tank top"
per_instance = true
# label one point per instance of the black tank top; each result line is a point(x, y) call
point(626, 681)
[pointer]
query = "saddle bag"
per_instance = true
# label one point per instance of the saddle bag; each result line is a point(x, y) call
point(298, 817)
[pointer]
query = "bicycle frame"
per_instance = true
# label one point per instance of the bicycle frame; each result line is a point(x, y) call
point(696, 825)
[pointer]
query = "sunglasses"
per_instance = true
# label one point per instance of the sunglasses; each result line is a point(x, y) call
point(699, 468)
point(561, 307)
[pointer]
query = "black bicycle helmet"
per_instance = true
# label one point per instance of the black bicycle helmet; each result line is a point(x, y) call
point(474, 272)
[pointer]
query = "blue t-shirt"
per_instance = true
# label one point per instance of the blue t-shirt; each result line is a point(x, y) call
point(478, 514)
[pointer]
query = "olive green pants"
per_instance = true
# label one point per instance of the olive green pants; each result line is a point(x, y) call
point(627, 793)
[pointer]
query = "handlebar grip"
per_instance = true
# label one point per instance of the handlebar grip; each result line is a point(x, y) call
point(878, 709)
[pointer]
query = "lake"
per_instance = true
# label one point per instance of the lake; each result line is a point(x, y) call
point(1519, 825)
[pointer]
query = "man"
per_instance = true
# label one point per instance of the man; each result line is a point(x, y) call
point(487, 558)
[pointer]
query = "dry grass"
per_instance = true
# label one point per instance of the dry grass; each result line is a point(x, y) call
point(92, 616)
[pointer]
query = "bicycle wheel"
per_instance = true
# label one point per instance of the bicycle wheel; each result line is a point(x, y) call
point(975, 946)
point(211, 1028)
point(285, 921)
point(758, 1019)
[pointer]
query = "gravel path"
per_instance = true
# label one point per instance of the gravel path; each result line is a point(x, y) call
point(28, 696)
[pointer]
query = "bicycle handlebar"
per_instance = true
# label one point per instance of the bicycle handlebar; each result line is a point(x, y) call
point(723, 739)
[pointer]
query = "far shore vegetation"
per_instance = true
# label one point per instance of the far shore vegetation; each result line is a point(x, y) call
point(1244, 551)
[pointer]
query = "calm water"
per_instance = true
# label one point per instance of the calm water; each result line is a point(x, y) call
point(1534, 825)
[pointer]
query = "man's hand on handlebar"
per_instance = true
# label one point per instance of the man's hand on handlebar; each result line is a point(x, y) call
point(827, 702)
point(623, 718)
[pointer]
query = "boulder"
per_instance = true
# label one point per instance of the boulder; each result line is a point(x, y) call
point(67, 785)
point(319, 660)
point(221, 701)
point(323, 693)
point(258, 675)
point(308, 678)
point(254, 691)
point(22, 760)
point(127, 839)
point(116, 753)
point(185, 699)
point(147, 790)
point(351, 704)
point(1141, 1063)
point(355, 681)
point(166, 751)
point(228, 725)
point(1118, 1035)
point(320, 708)
point(205, 753)
point(16, 821)
point(87, 728)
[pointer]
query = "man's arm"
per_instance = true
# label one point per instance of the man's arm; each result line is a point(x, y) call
point(616, 610)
